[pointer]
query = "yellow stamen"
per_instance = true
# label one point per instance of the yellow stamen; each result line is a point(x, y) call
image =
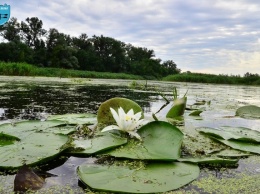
point(127, 118)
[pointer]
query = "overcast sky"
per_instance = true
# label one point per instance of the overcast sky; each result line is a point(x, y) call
point(208, 36)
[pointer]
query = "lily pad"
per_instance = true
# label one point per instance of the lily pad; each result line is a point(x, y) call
point(6, 139)
point(249, 111)
point(235, 133)
point(88, 118)
point(210, 161)
point(62, 129)
point(36, 143)
point(160, 141)
point(231, 153)
point(97, 144)
point(156, 177)
point(35, 148)
point(104, 115)
point(195, 113)
point(178, 108)
point(22, 129)
point(240, 145)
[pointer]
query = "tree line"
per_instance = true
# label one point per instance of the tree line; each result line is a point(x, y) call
point(27, 41)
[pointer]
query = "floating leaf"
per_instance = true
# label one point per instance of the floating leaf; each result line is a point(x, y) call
point(249, 111)
point(200, 102)
point(195, 113)
point(97, 144)
point(155, 177)
point(239, 138)
point(210, 161)
point(235, 133)
point(22, 129)
point(178, 108)
point(88, 118)
point(231, 153)
point(36, 143)
point(240, 145)
point(104, 115)
point(62, 129)
point(160, 141)
point(6, 139)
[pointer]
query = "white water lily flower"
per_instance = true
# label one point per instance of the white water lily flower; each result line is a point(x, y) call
point(127, 122)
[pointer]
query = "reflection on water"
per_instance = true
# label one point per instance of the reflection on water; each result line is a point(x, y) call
point(39, 100)
point(2, 114)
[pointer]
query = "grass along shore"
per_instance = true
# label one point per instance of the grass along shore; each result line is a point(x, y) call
point(24, 69)
point(251, 79)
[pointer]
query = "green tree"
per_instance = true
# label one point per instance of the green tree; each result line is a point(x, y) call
point(15, 52)
point(139, 53)
point(11, 30)
point(82, 42)
point(170, 68)
point(40, 54)
point(86, 55)
point(111, 53)
point(60, 51)
point(32, 31)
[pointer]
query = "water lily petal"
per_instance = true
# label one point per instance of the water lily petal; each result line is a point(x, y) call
point(134, 134)
point(130, 113)
point(115, 116)
point(139, 123)
point(110, 127)
point(138, 116)
point(128, 125)
point(127, 122)
point(121, 113)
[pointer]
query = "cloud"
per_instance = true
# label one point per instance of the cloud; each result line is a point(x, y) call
point(205, 36)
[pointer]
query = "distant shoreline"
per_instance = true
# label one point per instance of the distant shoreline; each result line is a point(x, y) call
point(66, 75)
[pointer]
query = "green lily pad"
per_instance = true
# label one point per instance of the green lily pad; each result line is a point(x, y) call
point(231, 153)
point(6, 139)
point(87, 119)
point(36, 143)
point(97, 144)
point(160, 141)
point(154, 178)
point(250, 111)
point(62, 129)
point(240, 145)
point(35, 148)
point(195, 113)
point(235, 133)
point(22, 129)
point(104, 114)
point(210, 161)
point(178, 108)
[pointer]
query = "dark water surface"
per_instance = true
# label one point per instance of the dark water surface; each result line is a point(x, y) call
point(15, 103)
point(33, 98)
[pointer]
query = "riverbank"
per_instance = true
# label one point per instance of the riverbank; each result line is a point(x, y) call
point(248, 79)
point(24, 69)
